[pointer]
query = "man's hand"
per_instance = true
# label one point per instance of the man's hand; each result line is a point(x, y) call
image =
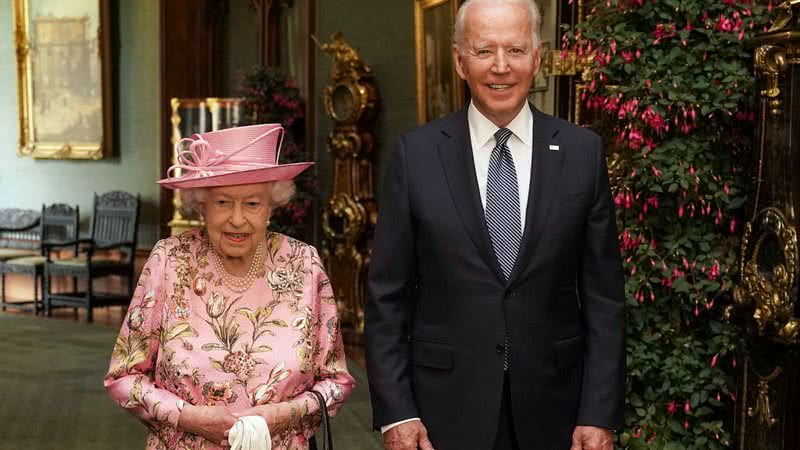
point(407, 436)
point(592, 438)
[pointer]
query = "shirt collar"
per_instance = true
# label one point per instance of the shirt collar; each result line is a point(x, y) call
point(482, 129)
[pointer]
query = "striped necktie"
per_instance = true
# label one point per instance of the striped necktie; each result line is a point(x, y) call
point(502, 204)
point(502, 209)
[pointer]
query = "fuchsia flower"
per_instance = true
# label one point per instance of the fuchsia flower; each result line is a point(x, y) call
point(656, 172)
point(653, 119)
point(627, 57)
point(672, 408)
point(714, 271)
point(664, 31)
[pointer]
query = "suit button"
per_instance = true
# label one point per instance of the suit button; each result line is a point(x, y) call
point(500, 348)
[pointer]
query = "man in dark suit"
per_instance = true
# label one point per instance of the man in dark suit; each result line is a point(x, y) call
point(495, 317)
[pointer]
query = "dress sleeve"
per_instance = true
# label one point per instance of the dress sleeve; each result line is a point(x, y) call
point(130, 380)
point(331, 377)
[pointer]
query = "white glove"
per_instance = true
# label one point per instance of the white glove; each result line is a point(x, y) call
point(250, 433)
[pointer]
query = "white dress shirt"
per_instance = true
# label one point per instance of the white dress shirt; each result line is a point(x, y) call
point(481, 133)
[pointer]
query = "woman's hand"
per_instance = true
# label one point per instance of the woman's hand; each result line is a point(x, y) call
point(277, 416)
point(210, 422)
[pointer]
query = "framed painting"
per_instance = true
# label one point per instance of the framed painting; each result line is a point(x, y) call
point(440, 91)
point(541, 81)
point(64, 78)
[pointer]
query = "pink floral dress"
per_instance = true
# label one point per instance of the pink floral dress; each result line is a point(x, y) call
point(188, 337)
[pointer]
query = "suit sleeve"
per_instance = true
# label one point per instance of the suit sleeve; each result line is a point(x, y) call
point(390, 300)
point(602, 292)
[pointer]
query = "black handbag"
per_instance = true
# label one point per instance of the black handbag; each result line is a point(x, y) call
point(325, 428)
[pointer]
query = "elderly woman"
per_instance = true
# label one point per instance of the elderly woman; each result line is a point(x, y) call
point(231, 320)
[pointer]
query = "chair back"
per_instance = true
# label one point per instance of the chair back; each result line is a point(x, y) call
point(115, 220)
point(60, 224)
point(19, 228)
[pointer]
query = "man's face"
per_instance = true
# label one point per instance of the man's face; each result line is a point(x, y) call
point(497, 59)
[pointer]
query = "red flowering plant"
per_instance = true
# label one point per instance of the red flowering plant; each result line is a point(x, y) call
point(670, 88)
point(272, 97)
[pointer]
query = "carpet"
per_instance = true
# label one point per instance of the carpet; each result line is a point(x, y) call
point(52, 396)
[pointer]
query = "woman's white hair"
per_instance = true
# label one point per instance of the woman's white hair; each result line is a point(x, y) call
point(279, 193)
point(530, 5)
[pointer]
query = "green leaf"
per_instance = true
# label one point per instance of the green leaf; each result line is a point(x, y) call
point(680, 285)
point(216, 364)
point(179, 330)
point(211, 347)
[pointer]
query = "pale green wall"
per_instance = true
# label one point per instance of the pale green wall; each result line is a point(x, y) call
point(29, 183)
point(383, 31)
point(240, 46)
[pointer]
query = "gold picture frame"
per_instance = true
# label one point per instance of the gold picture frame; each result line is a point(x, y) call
point(541, 82)
point(440, 91)
point(64, 78)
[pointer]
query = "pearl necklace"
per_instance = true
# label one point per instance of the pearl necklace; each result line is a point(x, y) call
point(241, 284)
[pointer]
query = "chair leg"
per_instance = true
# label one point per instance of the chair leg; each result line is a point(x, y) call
point(3, 291)
point(36, 280)
point(75, 291)
point(89, 317)
point(46, 281)
point(131, 284)
point(47, 286)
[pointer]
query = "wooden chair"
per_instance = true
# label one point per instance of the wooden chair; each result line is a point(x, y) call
point(114, 224)
point(59, 223)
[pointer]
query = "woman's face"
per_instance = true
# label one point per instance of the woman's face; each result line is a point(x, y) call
point(236, 218)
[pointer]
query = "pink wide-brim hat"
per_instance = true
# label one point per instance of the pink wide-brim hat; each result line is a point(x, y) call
point(233, 156)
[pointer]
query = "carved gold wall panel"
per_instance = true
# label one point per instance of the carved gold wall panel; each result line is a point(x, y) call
point(765, 295)
point(349, 217)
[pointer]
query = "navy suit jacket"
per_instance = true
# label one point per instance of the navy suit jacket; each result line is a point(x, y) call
point(439, 308)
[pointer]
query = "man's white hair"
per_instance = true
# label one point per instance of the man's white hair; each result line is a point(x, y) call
point(533, 11)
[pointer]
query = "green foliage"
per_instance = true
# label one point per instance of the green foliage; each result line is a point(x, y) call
point(272, 97)
point(670, 89)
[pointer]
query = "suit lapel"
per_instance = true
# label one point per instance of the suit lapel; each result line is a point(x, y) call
point(546, 169)
point(459, 167)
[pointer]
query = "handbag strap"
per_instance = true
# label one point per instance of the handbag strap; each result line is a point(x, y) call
point(325, 422)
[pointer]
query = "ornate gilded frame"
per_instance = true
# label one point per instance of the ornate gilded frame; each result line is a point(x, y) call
point(420, 29)
point(767, 290)
point(348, 219)
point(73, 148)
